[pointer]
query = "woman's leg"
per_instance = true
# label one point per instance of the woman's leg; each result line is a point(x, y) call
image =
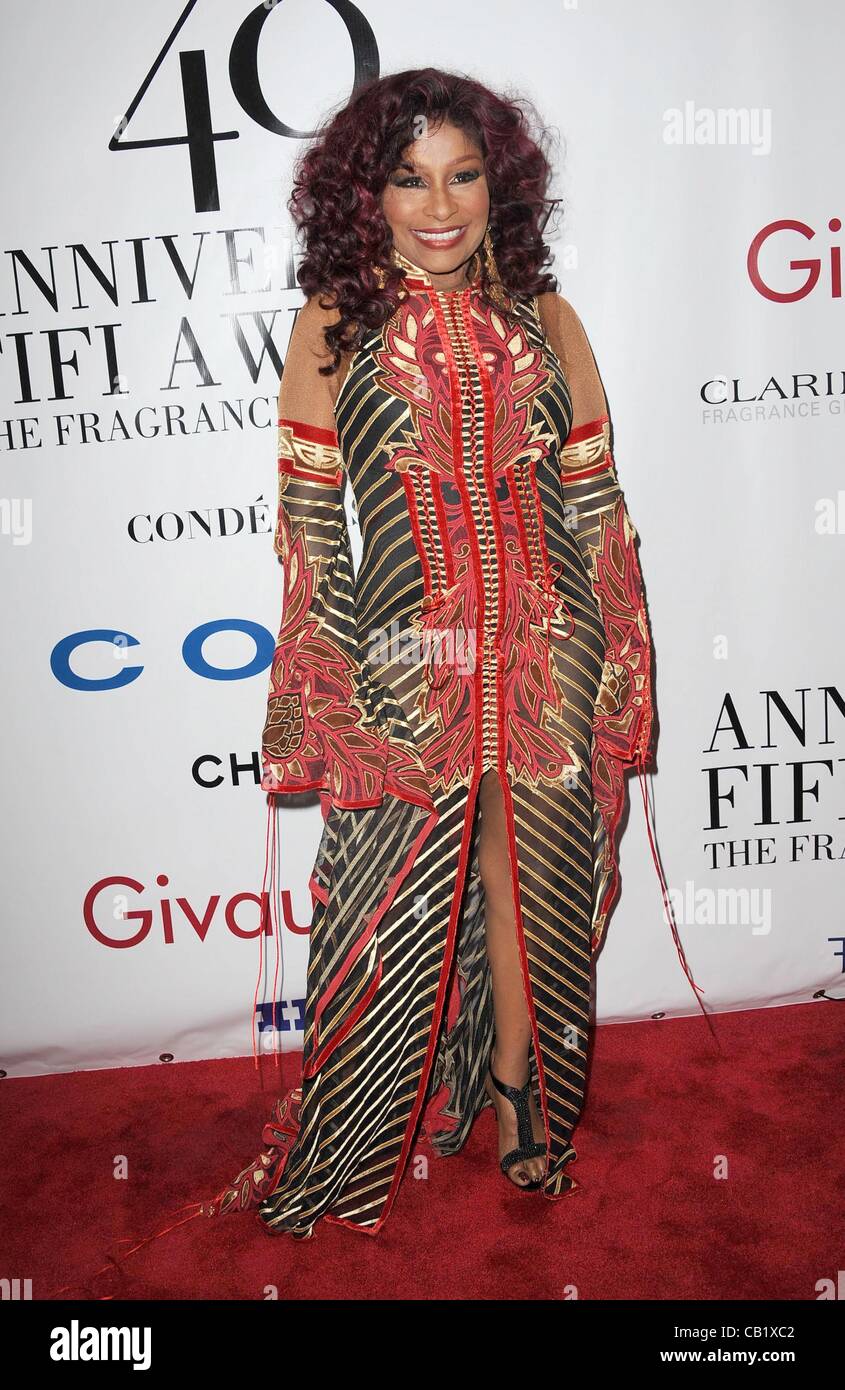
point(510, 1010)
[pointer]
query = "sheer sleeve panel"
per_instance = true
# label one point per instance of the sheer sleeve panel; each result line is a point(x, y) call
point(316, 736)
point(325, 728)
point(606, 537)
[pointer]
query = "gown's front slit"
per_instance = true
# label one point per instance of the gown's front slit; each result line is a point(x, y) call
point(476, 444)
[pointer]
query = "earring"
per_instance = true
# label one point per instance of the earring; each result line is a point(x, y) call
point(495, 287)
point(396, 259)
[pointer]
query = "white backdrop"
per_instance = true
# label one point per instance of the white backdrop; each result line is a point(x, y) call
point(131, 762)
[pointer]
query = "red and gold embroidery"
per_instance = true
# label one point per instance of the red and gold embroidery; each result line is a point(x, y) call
point(323, 729)
point(623, 715)
point(468, 463)
point(606, 536)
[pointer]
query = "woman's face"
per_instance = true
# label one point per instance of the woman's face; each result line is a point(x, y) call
point(439, 188)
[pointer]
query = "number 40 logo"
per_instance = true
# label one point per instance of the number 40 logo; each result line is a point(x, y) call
point(200, 136)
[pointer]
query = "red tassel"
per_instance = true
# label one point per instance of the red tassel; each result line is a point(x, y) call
point(208, 1208)
point(272, 856)
point(665, 890)
point(114, 1263)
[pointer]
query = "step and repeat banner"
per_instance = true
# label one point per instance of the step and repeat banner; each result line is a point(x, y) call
point(147, 295)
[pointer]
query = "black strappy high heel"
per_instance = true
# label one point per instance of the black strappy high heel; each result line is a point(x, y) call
point(529, 1147)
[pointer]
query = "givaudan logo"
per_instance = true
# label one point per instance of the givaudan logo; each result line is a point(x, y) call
point(77, 1343)
point(15, 1289)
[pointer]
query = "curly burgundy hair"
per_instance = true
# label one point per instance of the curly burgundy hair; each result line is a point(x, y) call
point(339, 180)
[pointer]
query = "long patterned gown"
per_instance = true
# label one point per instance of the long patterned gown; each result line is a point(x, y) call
point(497, 621)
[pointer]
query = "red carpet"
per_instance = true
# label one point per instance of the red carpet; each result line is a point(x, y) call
point(649, 1221)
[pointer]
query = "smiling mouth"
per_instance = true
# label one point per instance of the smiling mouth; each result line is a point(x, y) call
point(445, 238)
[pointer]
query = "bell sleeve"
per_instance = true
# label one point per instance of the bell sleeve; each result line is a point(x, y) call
point(606, 538)
point(327, 726)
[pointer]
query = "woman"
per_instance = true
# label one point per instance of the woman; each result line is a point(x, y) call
point(467, 704)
